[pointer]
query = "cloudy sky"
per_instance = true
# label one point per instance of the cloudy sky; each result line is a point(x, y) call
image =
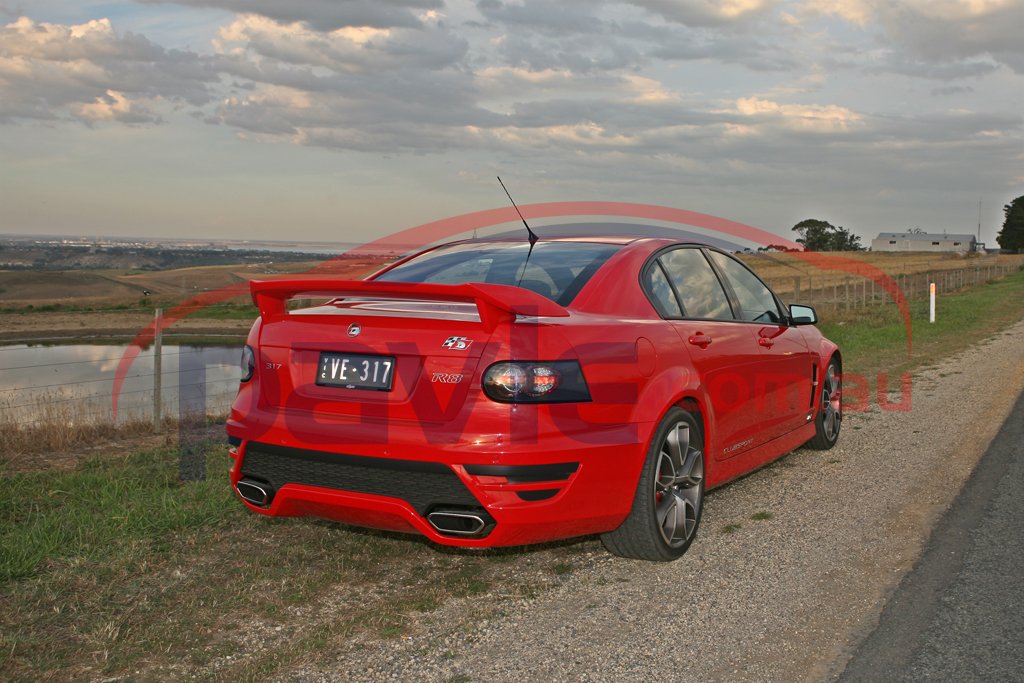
point(348, 119)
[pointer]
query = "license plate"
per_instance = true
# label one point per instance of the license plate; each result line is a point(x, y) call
point(355, 371)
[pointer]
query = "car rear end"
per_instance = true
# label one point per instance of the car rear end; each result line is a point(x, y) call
point(453, 410)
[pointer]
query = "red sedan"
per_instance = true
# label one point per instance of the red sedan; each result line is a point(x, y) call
point(493, 393)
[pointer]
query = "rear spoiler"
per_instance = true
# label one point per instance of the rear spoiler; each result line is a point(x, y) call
point(495, 303)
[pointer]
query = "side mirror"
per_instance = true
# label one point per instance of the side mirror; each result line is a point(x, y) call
point(802, 315)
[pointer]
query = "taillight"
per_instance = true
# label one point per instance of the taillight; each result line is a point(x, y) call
point(248, 362)
point(536, 382)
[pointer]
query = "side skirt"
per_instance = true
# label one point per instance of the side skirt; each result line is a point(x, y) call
point(725, 471)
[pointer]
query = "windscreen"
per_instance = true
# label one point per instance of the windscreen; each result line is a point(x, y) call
point(557, 270)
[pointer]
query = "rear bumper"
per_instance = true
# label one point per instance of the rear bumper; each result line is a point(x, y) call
point(557, 486)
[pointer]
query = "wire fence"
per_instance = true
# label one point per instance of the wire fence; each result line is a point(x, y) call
point(41, 385)
point(841, 292)
point(72, 384)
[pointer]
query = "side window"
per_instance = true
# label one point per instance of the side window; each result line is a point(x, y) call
point(755, 299)
point(698, 286)
point(660, 292)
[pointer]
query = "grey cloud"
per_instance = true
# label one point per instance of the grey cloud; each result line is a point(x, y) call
point(945, 70)
point(449, 94)
point(621, 116)
point(747, 52)
point(699, 12)
point(929, 37)
point(572, 35)
point(698, 147)
point(425, 90)
point(48, 72)
point(426, 49)
point(554, 19)
point(949, 127)
point(389, 137)
point(951, 90)
point(326, 15)
point(579, 54)
point(408, 111)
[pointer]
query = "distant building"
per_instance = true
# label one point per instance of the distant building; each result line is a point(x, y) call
point(923, 241)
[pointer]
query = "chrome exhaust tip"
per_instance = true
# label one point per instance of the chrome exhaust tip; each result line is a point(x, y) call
point(460, 522)
point(254, 492)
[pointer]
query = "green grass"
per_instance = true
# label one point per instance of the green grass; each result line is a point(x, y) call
point(875, 340)
point(83, 516)
point(761, 516)
point(115, 567)
point(562, 568)
point(142, 305)
point(227, 312)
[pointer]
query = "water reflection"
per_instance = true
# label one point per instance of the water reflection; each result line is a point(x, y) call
point(75, 382)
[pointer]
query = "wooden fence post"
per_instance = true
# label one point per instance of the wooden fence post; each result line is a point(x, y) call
point(158, 361)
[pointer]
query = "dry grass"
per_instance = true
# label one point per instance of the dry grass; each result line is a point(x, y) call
point(772, 265)
point(59, 429)
point(23, 288)
point(822, 272)
point(57, 420)
point(110, 289)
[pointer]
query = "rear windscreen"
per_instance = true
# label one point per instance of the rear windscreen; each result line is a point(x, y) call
point(557, 270)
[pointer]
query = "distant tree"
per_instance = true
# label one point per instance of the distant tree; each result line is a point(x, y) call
point(818, 235)
point(777, 247)
point(1012, 235)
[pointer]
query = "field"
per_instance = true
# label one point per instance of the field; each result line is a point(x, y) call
point(90, 304)
point(115, 569)
point(112, 288)
point(818, 275)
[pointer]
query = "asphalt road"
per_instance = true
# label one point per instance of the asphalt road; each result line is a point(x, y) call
point(959, 615)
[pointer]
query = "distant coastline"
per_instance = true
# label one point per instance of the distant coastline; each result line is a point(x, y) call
point(101, 241)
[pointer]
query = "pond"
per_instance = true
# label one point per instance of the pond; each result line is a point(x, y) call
point(44, 384)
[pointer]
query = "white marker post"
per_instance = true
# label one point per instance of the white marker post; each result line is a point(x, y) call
point(931, 302)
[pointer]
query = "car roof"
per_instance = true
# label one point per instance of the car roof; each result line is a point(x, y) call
point(620, 240)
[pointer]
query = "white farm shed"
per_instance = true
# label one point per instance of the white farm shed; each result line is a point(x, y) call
point(923, 241)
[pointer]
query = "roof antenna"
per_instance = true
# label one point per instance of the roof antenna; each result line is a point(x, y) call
point(533, 235)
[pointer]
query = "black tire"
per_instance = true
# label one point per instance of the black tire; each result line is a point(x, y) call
point(829, 419)
point(671, 488)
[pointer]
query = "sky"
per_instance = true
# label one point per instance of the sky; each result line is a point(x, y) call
point(346, 120)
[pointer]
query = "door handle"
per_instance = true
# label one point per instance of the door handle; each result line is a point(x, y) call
point(765, 342)
point(700, 339)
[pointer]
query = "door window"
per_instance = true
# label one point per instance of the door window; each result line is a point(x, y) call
point(755, 299)
point(699, 289)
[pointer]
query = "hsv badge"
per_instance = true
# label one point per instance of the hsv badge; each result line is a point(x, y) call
point(456, 343)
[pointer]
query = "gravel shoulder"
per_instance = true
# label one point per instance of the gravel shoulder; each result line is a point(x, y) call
point(790, 572)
